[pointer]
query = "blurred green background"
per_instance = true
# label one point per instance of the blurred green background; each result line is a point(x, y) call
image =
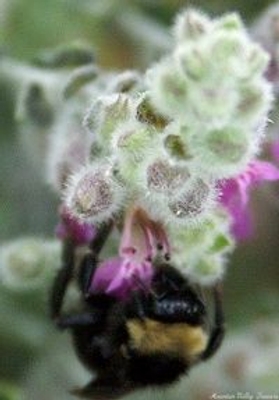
point(124, 34)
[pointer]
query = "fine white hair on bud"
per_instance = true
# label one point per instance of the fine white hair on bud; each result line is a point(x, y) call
point(207, 102)
point(192, 61)
point(106, 113)
point(192, 204)
point(176, 137)
point(132, 140)
point(191, 25)
point(214, 61)
point(149, 115)
point(126, 81)
point(28, 262)
point(200, 250)
point(229, 22)
point(257, 60)
point(166, 178)
point(254, 102)
point(131, 144)
point(94, 194)
point(207, 270)
point(223, 152)
point(229, 49)
point(168, 88)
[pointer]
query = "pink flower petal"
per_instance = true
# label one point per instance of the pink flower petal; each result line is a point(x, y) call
point(118, 277)
point(70, 227)
point(142, 236)
point(262, 171)
point(141, 240)
point(242, 227)
point(235, 194)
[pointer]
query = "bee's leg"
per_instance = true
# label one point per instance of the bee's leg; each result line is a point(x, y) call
point(90, 260)
point(218, 331)
point(62, 279)
point(87, 268)
point(101, 237)
point(138, 309)
point(79, 320)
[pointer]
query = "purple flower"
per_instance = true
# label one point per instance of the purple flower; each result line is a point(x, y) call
point(70, 227)
point(235, 193)
point(118, 277)
point(142, 239)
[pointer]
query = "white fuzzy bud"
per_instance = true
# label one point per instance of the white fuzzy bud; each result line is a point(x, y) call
point(125, 82)
point(211, 234)
point(176, 138)
point(162, 177)
point(28, 263)
point(132, 140)
point(254, 102)
point(207, 270)
point(223, 152)
point(146, 113)
point(192, 203)
point(201, 81)
point(193, 61)
point(131, 144)
point(107, 113)
point(229, 47)
point(207, 103)
point(258, 60)
point(168, 88)
point(236, 55)
point(193, 245)
point(229, 22)
point(191, 25)
point(93, 194)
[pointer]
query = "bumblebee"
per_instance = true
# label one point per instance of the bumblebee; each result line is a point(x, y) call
point(150, 339)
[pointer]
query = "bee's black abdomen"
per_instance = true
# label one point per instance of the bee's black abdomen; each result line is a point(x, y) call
point(156, 369)
point(185, 309)
point(174, 300)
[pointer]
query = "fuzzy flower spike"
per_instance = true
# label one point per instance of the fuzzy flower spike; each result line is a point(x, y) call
point(166, 144)
point(143, 240)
